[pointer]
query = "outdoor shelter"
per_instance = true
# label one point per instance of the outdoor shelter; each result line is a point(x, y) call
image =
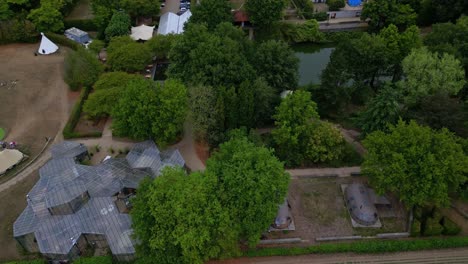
point(9, 158)
point(142, 32)
point(73, 206)
point(47, 46)
point(171, 23)
point(77, 35)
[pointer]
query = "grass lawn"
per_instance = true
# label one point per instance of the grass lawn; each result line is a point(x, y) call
point(2, 133)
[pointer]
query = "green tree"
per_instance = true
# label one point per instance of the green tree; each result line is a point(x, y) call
point(47, 18)
point(252, 183)
point(421, 165)
point(107, 91)
point(299, 135)
point(97, 45)
point(214, 59)
point(382, 13)
point(149, 110)
point(264, 13)
point(117, 42)
point(276, 62)
point(81, 69)
point(137, 8)
point(131, 57)
point(440, 110)
point(161, 45)
point(179, 219)
point(212, 13)
point(119, 25)
point(382, 110)
point(335, 5)
point(428, 73)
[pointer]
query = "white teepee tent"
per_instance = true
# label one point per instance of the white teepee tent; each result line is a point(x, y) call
point(47, 46)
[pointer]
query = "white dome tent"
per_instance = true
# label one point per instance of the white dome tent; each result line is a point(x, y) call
point(47, 46)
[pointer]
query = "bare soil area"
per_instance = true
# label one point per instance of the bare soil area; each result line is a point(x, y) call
point(319, 210)
point(37, 106)
point(13, 203)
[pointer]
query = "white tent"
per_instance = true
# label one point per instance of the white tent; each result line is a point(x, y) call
point(9, 158)
point(47, 46)
point(142, 32)
point(171, 23)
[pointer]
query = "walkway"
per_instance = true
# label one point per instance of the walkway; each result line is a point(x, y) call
point(187, 148)
point(427, 256)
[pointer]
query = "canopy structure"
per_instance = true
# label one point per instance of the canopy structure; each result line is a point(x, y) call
point(47, 46)
point(142, 32)
point(9, 158)
point(171, 23)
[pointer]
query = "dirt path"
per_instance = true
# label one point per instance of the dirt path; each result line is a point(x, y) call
point(187, 149)
point(324, 172)
point(428, 256)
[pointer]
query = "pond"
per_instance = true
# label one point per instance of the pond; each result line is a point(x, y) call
point(313, 58)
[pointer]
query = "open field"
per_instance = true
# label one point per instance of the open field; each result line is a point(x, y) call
point(37, 105)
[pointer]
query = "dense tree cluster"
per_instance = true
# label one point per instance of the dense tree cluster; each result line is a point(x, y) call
point(124, 54)
point(421, 165)
point(212, 13)
point(264, 13)
point(119, 25)
point(181, 218)
point(300, 137)
point(147, 109)
point(81, 69)
point(243, 78)
point(382, 13)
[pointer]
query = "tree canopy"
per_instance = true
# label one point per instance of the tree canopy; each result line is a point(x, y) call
point(428, 73)
point(161, 45)
point(150, 110)
point(264, 13)
point(212, 13)
point(181, 218)
point(81, 69)
point(138, 8)
point(300, 136)
point(421, 165)
point(130, 57)
point(47, 18)
point(382, 13)
point(119, 25)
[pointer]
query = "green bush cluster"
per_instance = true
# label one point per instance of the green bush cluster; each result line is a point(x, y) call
point(429, 221)
point(83, 24)
point(298, 33)
point(68, 131)
point(17, 30)
point(364, 247)
point(335, 5)
point(62, 40)
point(319, 16)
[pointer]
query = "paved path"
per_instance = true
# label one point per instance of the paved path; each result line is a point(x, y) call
point(428, 256)
point(324, 172)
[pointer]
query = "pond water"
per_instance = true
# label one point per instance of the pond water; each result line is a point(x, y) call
point(313, 59)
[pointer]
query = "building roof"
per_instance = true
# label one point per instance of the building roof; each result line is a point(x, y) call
point(171, 23)
point(68, 149)
point(62, 180)
point(76, 32)
point(9, 158)
point(240, 16)
point(142, 32)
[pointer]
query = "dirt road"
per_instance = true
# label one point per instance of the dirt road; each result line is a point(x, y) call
point(430, 256)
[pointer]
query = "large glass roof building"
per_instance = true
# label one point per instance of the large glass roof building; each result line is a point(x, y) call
point(74, 206)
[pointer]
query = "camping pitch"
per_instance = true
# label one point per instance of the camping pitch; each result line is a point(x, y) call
point(47, 46)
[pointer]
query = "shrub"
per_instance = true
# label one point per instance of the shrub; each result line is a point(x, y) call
point(432, 227)
point(450, 228)
point(94, 260)
point(81, 69)
point(83, 24)
point(17, 30)
point(297, 33)
point(365, 247)
point(416, 228)
point(62, 40)
point(335, 5)
point(68, 130)
point(319, 16)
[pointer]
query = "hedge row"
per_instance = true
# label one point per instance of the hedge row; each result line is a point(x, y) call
point(68, 131)
point(83, 24)
point(90, 260)
point(364, 247)
point(62, 40)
